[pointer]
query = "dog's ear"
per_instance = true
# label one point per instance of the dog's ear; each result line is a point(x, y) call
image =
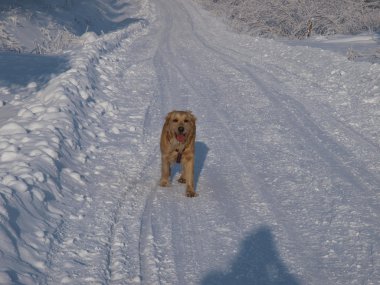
point(191, 117)
point(166, 127)
point(168, 118)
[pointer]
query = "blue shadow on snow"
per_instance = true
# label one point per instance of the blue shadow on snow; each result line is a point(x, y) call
point(21, 69)
point(201, 150)
point(257, 263)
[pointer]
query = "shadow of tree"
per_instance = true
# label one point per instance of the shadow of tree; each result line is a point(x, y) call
point(258, 263)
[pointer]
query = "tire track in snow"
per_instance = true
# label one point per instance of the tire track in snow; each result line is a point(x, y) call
point(268, 211)
point(137, 192)
point(146, 244)
point(299, 117)
point(233, 56)
point(167, 88)
point(322, 146)
point(233, 146)
point(259, 75)
point(167, 60)
point(333, 152)
point(94, 240)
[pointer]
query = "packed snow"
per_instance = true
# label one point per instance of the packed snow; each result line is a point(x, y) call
point(287, 153)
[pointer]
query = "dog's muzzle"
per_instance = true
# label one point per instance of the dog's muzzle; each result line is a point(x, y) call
point(181, 136)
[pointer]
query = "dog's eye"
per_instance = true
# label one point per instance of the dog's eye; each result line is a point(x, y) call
point(186, 120)
point(175, 120)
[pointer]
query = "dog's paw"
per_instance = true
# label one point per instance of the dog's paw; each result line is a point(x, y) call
point(182, 180)
point(191, 194)
point(164, 183)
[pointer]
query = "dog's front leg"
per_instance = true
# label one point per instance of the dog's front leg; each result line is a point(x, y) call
point(165, 171)
point(188, 166)
point(182, 178)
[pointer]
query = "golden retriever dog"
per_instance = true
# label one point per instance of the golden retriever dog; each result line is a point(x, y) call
point(177, 146)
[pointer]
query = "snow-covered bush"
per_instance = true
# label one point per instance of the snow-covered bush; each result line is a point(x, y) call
point(6, 41)
point(54, 40)
point(25, 28)
point(292, 18)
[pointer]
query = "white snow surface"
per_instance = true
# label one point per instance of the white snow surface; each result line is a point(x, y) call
point(287, 159)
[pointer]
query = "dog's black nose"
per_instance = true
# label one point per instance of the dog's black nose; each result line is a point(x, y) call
point(181, 130)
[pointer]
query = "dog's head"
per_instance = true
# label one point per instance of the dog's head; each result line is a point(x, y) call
point(181, 125)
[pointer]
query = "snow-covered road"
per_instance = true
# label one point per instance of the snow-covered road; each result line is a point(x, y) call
point(287, 163)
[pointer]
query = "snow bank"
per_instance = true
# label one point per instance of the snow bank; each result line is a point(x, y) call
point(43, 150)
point(361, 47)
point(53, 26)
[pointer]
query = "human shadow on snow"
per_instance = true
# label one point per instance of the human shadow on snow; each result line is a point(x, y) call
point(257, 263)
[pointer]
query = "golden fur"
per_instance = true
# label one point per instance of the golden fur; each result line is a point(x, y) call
point(178, 137)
